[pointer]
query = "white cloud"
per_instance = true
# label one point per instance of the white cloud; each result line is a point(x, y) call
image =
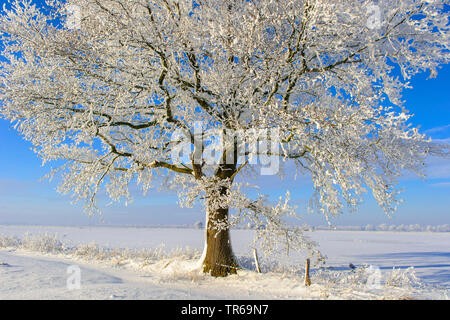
point(438, 168)
point(440, 184)
point(445, 141)
point(440, 129)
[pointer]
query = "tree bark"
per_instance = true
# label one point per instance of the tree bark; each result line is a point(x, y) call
point(219, 260)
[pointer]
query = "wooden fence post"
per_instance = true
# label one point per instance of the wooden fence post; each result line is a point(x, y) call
point(255, 255)
point(307, 280)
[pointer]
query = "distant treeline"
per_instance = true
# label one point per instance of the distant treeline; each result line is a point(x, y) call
point(371, 227)
point(386, 227)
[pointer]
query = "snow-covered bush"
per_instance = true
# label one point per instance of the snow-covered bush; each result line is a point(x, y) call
point(8, 242)
point(45, 243)
point(402, 278)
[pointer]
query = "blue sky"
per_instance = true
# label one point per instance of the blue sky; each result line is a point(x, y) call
point(24, 199)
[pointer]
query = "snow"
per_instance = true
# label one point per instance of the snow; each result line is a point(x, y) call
point(37, 271)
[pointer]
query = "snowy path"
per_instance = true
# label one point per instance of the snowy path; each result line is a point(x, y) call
point(34, 276)
point(29, 275)
point(38, 277)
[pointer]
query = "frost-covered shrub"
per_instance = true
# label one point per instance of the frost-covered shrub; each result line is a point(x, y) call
point(45, 243)
point(48, 243)
point(90, 251)
point(393, 284)
point(402, 278)
point(8, 241)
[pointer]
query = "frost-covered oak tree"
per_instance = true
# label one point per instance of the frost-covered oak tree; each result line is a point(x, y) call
point(150, 92)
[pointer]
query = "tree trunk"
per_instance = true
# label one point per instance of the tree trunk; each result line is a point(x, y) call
point(219, 259)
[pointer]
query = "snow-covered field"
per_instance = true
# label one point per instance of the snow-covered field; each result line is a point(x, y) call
point(160, 263)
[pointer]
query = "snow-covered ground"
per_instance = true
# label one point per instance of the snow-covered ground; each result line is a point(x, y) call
point(154, 263)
